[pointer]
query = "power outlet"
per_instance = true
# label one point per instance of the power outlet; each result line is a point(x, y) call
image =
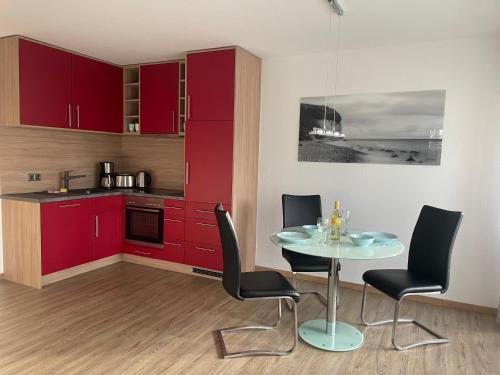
point(31, 177)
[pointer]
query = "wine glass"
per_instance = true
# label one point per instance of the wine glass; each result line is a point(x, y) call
point(346, 217)
point(322, 225)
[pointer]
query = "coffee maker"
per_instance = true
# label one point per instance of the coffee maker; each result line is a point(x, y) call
point(107, 176)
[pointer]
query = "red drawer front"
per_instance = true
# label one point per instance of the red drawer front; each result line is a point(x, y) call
point(203, 210)
point(202, 231)
point(174, 208)
point(175, 203)
point(173, 229)
point(144, 251)
point(204, 256)
point(104, 204)
point(174, 251)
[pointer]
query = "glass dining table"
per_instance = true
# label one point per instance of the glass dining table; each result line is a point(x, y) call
point(331, 334)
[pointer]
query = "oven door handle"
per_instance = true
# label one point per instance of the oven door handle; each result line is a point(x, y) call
point(143, 209)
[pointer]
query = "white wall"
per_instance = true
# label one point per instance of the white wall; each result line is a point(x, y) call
point(389, 197)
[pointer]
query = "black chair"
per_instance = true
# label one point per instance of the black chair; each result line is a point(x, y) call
point(428, 268)
point(303, 210)
point(250, 286)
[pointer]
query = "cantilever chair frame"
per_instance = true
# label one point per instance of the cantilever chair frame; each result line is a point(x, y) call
point(257, 352)
point(438, 340)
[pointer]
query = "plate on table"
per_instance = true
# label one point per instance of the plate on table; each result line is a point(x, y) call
point(382, 237)
point(293, 236)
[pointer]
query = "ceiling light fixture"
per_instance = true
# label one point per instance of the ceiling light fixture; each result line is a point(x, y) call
point(337, 8)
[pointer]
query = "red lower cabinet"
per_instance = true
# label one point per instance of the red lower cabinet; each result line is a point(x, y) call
point(202, 231)
point(107, 215)
point(144, 251)
point(66, 234)
point(204, 256)
point(173, 251)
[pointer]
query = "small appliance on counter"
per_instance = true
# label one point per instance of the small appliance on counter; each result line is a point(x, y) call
point(142, 180)
point(125, 180)
point(107, 178)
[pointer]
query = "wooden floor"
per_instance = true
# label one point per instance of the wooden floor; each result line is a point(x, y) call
point(130, 319)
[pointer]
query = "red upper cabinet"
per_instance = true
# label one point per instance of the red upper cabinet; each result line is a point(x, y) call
point(209, 161)
point(159, 98)
point(96, 95)
point(66, 229)
point(210, 85)
point(44, 85)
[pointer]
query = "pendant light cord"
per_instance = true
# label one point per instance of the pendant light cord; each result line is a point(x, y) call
point(337, 62)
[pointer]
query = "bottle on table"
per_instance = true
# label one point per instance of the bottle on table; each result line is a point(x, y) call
point(336, 222)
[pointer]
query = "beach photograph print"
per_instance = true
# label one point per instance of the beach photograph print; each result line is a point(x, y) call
point(389, 128)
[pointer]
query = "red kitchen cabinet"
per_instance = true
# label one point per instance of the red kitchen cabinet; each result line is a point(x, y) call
point(66, 229)
point(209, 161)
point(107, 234)
point(96, 95)
point(205, 256)
point(210, 85)
point(173, 251)
point(159, 93)
point(44, 85)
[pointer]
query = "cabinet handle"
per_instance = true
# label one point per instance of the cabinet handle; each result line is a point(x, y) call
point(172, 243)
point(173, 121)
point(78, 116)
point(69, 205)
point(189, 106)
point(69, 115)
point(205, 249)
point(206, 224)
point(97, 226)
point(174, 220)
point(142, 252)
point(204, 211)
point(173, 208)
point(187, 173)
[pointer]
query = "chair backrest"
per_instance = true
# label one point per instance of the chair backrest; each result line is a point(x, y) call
point(230, 252)
point(300, 209)
point(432, 243)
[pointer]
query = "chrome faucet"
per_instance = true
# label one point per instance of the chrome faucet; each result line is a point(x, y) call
point(67, 178)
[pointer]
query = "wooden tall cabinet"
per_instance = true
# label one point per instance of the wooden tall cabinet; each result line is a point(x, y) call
point(222, 144)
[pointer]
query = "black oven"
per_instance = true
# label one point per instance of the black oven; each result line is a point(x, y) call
point(144, 221)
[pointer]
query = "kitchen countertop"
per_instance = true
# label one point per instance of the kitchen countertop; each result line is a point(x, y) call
point(45, 197)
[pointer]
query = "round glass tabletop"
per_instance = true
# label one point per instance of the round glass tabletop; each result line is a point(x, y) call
point(344, 249)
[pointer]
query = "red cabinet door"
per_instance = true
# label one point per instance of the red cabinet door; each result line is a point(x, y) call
point(66, 228)
point(209, 161)
point(108, 223)
point(44, 85)
point(159, 98)
point(210, 85)
point(96, 95)
point(204, 256)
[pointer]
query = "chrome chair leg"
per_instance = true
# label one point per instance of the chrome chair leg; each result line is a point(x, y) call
point(439, 339)
point(318, 294)
point(221, 332)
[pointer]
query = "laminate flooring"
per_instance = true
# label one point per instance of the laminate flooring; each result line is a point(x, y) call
point(131, 319)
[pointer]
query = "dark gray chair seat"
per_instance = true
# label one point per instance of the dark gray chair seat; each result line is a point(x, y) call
point(397, 283)
point(266, 284)
point(305, 263)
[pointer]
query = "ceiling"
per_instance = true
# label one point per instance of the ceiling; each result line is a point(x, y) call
point(130, 31)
